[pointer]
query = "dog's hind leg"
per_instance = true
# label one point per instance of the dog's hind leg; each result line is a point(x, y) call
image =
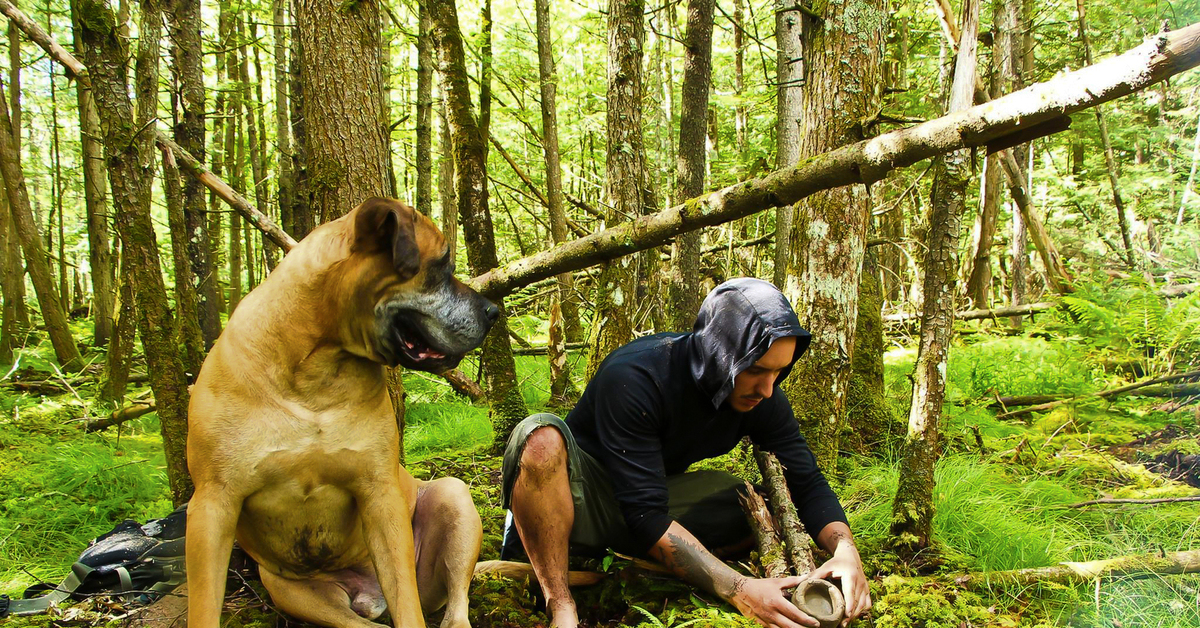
point(448, 533)
point(321, 602)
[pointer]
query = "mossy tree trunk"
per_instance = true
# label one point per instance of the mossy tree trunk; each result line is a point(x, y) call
point(842, 86)
point(16, 261)
point(424, 130)
point(912, 510)
point(285, 192)
point(471, 186)
point(624, 172)
point(95, 198)
point(564, 307)
point(304, 212)
point(690, 163)
point(789, 111)
point(130, 158)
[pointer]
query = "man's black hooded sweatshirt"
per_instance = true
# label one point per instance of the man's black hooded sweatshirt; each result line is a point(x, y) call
point(659, 404)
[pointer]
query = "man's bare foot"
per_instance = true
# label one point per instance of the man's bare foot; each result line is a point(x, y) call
point(562, 613)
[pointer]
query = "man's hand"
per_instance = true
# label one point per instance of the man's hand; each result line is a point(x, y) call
point(846, 567)
point(764, 601)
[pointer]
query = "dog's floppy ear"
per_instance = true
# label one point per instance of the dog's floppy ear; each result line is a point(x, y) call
point(388, 224)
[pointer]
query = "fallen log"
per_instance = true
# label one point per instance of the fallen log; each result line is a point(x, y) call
point(1174, 390)
point(766, 536)
point(52, 386)
point(795, 537)
point(1103, 394)
point(463, 385)
point(541, 349)
point(967, 315)
point(1080, 573)
point(868, 161)
point(121, 415)
point(1123, 500)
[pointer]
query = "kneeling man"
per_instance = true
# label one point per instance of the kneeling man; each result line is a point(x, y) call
point(613, 474)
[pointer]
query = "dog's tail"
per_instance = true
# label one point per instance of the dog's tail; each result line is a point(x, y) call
point(511, 569)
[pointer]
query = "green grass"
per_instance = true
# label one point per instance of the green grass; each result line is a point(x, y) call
point(59, 488)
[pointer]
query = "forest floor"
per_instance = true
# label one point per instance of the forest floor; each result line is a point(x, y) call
point(1003, 496)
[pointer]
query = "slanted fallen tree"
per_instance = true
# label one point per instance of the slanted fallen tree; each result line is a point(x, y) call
point(1137, 566)
point(1032, 112)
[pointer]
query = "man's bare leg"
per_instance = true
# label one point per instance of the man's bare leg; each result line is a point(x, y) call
point(544, 512)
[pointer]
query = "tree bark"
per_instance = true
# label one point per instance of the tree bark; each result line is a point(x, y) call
point(283, 131)
point(795, 537)
point(347, 146)
point(842, 86)
point(470, 178)
point(867, 161)
point(564, 311)
point(36, 260)
point(424, 192)
point(304, 211)
point(129, 153)
point(188, 318)
point(16, 263)
point(235, 148)
point(1056, 273)
point(446, 194)
point(739, 80)
point(691, 162)
point(95, 198)
point(912, 510)
point(116, 371)
point(1109, 161)
point(624, 172)
point(789, 111)
point(766, 536)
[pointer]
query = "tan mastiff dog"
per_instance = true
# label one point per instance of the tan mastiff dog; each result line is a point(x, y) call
point(293, 445)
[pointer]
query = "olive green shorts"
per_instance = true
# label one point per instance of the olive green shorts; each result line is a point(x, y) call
point(704, 502)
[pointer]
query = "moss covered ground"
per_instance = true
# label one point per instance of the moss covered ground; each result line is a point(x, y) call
point(1003, 494)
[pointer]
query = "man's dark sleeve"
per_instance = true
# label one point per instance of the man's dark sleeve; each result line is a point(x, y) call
point(776, 430)
point(627, 419)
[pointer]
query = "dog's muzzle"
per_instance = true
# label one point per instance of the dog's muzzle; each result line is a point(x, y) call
point(432, 332)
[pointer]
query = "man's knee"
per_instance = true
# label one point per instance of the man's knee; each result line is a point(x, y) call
point(545, 451)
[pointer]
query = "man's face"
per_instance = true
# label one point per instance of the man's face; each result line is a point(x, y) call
point(757, 382)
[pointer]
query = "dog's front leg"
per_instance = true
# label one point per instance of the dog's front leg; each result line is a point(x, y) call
point(387, 527)
point(211, 523)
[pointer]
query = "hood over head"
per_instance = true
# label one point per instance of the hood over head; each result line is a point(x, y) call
point(736, 325)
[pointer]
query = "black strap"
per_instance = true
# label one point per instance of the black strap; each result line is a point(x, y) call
point(33, 606)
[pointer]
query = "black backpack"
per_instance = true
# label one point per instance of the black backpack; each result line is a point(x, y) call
point(138, 562)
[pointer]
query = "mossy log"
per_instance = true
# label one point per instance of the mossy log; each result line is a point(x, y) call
point(967, 315)
point(1170, 390)
point(1142, 565)
point(1103, 394)
point(766, 536)
point(121, 415)
point(794, 535)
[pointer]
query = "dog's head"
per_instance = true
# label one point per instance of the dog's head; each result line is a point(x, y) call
point(422, 317)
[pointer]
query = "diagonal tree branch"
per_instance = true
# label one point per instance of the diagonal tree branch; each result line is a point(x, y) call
point(1161, 56)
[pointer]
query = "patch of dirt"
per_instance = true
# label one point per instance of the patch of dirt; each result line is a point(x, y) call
point(1177, 466)
point(1168, 459)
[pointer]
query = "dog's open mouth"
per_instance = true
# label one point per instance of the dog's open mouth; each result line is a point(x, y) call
point(412, 344)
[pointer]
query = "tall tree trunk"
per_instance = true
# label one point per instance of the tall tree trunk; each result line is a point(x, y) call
point(283, 131)
point(36, 259)
point(252, 101)
point(95, 198)
point(739, 80)
point(347, 149)
point(789, 111)
point(1109, 160)
point(262, 193)
point(185, 294)
point(691, 161)
point(304, 211)
point(564, 312)
point(446, 194)
point(116, 371)
point(57, 188)
point(129, 153)
point(15, 260)
point(912, 510)
point(471, 185)
point(424, 113)
point(8, 277)
point(235, 147)
point(844, 64)
point(615, 287)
